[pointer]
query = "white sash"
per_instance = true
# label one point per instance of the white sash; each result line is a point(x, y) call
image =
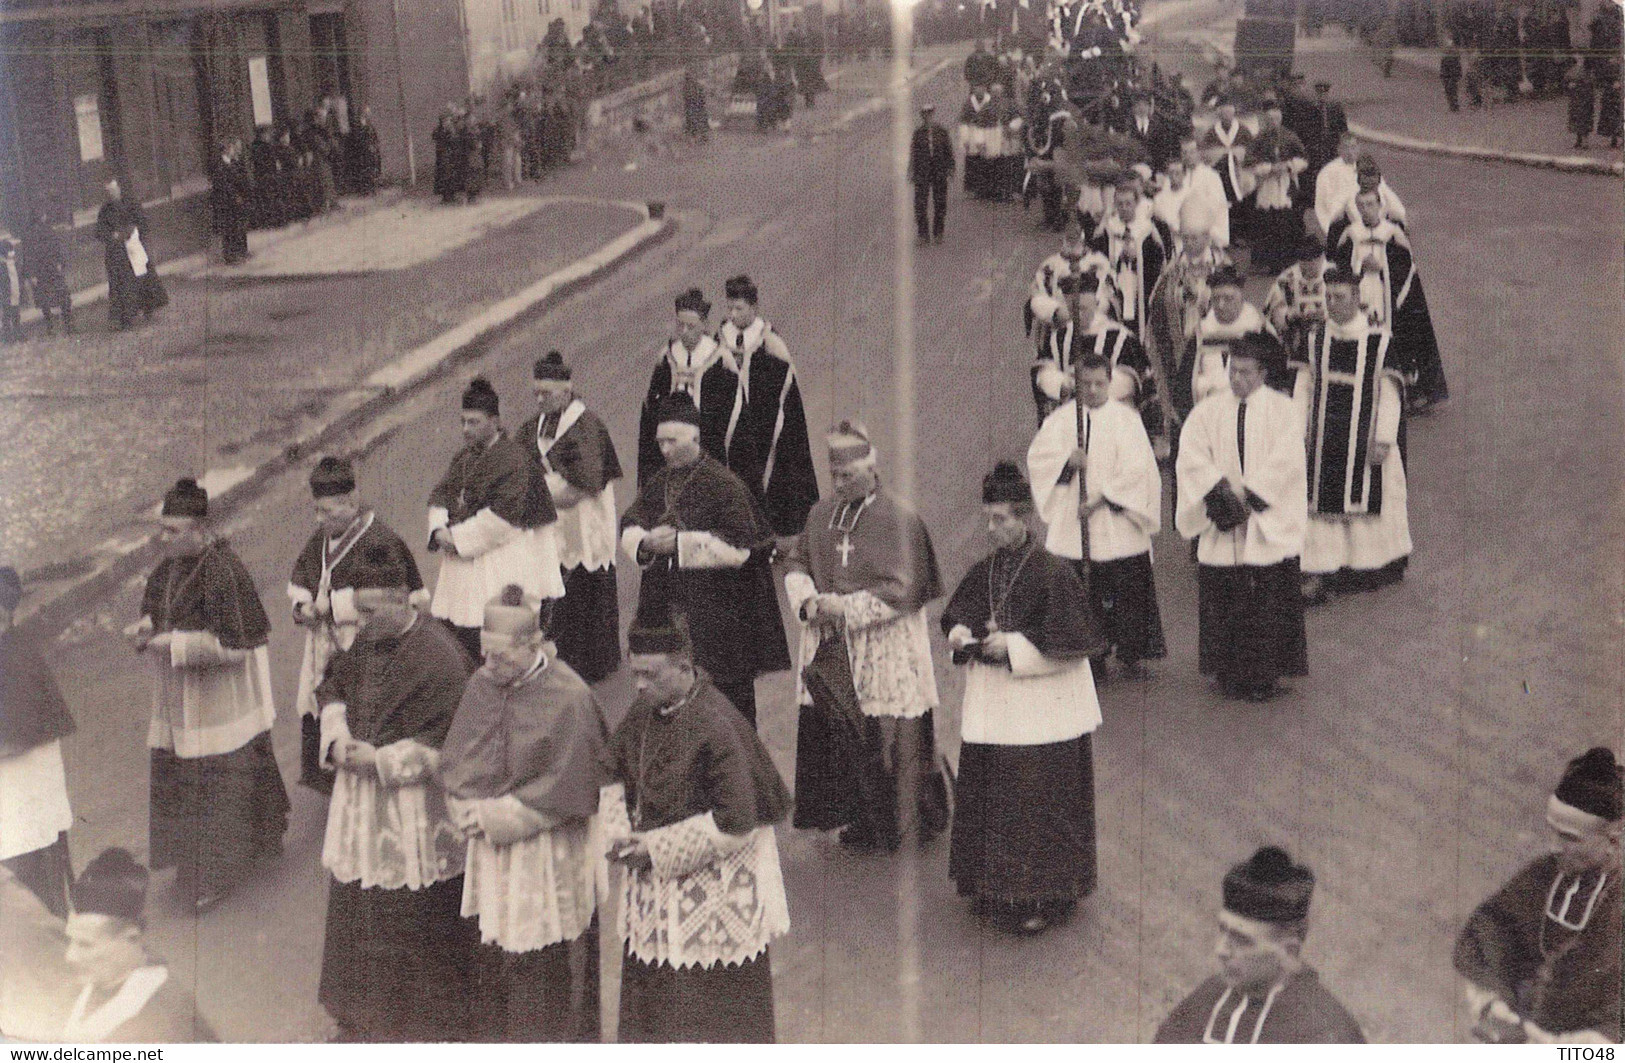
point(137, 253)
point(572, 413)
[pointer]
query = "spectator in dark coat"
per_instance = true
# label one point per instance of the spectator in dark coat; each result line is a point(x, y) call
point(229, 195)
point(1608, 110)
point(1450, 74)
point(1582, 106)
point(42, 262)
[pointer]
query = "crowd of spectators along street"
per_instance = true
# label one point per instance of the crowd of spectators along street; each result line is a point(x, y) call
point(1496, 51)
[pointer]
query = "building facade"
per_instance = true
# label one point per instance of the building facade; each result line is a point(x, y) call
point(146, 90)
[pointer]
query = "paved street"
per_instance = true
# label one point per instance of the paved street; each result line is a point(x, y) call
point(1410, 770)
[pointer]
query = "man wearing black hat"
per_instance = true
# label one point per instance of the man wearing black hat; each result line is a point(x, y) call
point(323, 601)
point(579, 460)
point(930, 165)
point(1024, 819)
point(1264, 993)
point(694, 529)
point(694, 363)
point(1242, 494)
point(690, 817)
point(1325, 123)
point(34, 811)
point(218, 801)
point(492, 520)
point(767, 434)
point(1359, 532)
point(129, 997)
point(397, 953)
point(1542, 956)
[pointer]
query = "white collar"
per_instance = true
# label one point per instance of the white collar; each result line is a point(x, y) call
point(572, 413)
point(697, 361)
point(1356, 329)
point(124, 1005)
point(744, 341)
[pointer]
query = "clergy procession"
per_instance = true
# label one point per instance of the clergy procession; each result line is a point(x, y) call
point(551, 819)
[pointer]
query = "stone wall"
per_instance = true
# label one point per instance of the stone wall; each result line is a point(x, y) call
point(658, 102)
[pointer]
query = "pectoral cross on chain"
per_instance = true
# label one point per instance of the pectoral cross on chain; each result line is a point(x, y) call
point(845, 549)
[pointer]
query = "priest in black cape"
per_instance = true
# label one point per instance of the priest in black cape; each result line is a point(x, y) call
point(860, 578)
point(692, 362)
point(578, 459)
point(767, 440)
point(694, 530)
point(218, 801)
point(1379, 252)
point(491, 518)
point(690, 817)
point(1024, 815)
point(34, 810)
point(1542, 955)
point(322, 593)
point(133, 287)
point(397, 955)
point(1264, 992)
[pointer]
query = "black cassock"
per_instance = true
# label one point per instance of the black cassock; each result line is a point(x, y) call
point(586, 624)
point(341, 561)
point(397, 963)
point(127, 293)
point(1024, 816)
point(733, 613)
point(1298, 1011)
point(715, 387)
point(1415, 348)
point(1548, 944)
point(767, 440)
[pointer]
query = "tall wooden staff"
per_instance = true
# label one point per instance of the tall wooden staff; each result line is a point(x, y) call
point(1083, 467)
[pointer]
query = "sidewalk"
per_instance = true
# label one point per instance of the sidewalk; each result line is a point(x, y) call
point(1408, 110)
point(248, 361)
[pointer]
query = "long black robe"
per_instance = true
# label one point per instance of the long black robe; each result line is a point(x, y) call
point(1560, 979)
point(307, 575)
point(767, 442)
point(1303, 1013)
point(733, 613)
point(1415, 348)
point(396, 963)
point(719, 386)
point(235, 801)
point(702, 758)
point(127, 294)
point(586, 624)
point(32, 713)
point(841, 776)
point(1024, 815)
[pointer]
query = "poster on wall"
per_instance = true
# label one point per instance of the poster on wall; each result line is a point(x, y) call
point(87, 112)
point(259, 89)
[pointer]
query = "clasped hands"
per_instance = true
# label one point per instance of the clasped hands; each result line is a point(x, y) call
point(825, 611)
point(661, 541)
point(443, 542)
point(141, 637)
